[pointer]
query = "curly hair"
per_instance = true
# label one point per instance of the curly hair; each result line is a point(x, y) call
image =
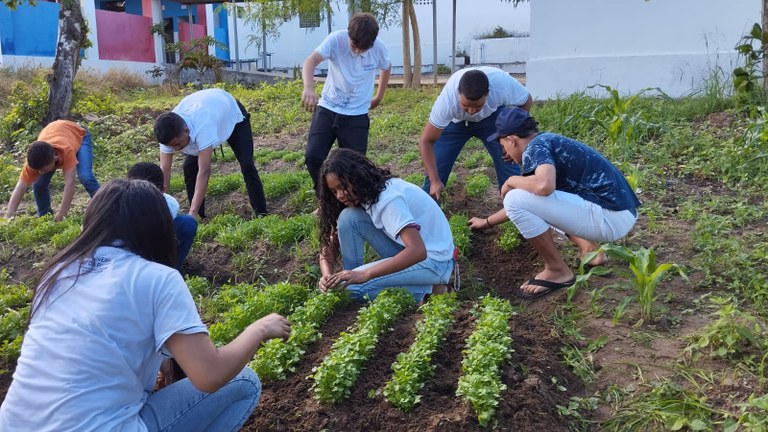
point(356, 174)
point(168, 126)
point(40, 154)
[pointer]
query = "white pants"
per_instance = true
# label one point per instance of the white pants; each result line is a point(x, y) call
point(533, 215)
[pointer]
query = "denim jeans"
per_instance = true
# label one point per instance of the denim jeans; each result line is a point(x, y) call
point(328, 126)
point(355, 227)
point(182, 407)
point(84, 173)
point(456, 135)
point(186, 230)
point(241, 142)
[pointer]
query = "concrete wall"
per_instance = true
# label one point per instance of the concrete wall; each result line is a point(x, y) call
point(633, 44)
point(474, 18)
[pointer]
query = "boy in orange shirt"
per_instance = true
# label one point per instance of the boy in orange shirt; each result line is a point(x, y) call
point(61, 144)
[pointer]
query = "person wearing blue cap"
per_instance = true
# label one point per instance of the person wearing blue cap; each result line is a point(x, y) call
point(563, 184)
point(467, 107)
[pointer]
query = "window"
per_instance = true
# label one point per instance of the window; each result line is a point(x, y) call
point(309, 19)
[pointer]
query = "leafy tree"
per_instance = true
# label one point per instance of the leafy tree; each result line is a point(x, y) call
point(73, 35)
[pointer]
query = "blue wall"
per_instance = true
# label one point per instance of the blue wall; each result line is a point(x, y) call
point(29, 30)
point(221, 34)
point(173, 10)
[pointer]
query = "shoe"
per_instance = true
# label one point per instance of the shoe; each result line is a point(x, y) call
point(549, 286)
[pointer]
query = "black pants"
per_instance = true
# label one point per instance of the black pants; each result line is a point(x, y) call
point(327, 126)
point(241, 142)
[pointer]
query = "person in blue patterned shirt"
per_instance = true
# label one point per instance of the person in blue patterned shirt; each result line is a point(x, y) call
point(563, 184)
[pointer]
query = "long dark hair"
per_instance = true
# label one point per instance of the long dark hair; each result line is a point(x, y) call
point(357, 174)
point(131, 214)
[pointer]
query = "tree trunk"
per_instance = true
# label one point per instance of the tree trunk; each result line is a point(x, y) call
point(416, 80)
point(72, 36)
point(407, 73)
point(764, 45)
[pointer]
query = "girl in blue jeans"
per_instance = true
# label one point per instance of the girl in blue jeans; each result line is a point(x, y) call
point(360, 202)
point(115, 307)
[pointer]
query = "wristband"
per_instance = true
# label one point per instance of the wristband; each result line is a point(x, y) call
point(488, 222)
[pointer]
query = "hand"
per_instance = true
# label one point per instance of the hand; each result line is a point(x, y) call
point(436, 189)
point(347, 277)
point(324, 283)
point(58, 218)
point(273, 326)
point(195, 215)
point(309, 99)
point(375, 102)
point(505, 188)
point(477, 223)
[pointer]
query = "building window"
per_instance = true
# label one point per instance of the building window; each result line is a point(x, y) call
point(422, 2)
point(309, 19)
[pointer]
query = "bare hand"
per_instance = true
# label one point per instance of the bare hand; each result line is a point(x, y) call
point(324, 283)
point(477, 223)
point(274, 326)
point(375, 102)
point(309, 99)
point(347, 277)
point(436, 189)
point(195, 215)
point(505, 189)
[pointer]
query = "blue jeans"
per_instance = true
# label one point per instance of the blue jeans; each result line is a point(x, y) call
point(355, 228)
point(186, 230)
point(453, 139)
point(84, 174)
point(182, 407)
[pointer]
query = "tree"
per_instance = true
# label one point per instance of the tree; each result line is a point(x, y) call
point(73, 35)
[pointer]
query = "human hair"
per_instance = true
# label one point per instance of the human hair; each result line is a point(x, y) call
point(126, 213)
point(40, 154)
point(529, 127)
point(362, 30)
point(356, 174)
point(168, 126)
point(473, 85)
point(148, 171)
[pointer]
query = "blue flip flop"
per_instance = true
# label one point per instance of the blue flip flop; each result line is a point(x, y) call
point(549, 288)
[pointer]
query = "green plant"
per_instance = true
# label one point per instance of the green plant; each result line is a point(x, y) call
point(335, 376)
point(414, 367)
point(488, 349)
point(747, 79)
point(581, 362)
point(477, 185)
point(648, 274)
point(461, 233)
point(510, 237)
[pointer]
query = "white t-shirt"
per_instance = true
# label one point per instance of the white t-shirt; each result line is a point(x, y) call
point(210, 115)
point(92, 352)
point(402, 204)
point(503, 91)
point(348, 88)
point(173, 205)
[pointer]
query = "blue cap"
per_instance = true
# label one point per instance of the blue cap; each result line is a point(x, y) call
point(510, 121)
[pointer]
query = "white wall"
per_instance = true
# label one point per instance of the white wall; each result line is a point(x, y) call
point(633, 44)
point(473, 17)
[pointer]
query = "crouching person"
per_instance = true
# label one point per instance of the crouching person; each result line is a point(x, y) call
point(107, 309)
point(360, 202)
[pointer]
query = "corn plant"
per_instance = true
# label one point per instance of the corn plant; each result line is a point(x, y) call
point(648, 274)
point(488, 349)
point(276, 358)
point(281, 298)
point(335, 376)
point(413, 368)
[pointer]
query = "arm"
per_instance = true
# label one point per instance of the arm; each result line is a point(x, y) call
point(541, 183)
point(327, 265)
point(427, 140)
point(165, 165)
point(201, 183)
point(309, 98)
point(67, 194)
point(414, 252)
point(383, 82)
point(209, 367)
point(18, 193)
point(491, 221)
point(528, 104)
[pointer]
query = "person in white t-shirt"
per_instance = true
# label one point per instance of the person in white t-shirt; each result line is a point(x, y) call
point(467, 107)
point(108, 308)
point(360, 202)
point(354, 56)
point(199, 124)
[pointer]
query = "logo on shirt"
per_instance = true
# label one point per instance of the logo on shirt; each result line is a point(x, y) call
point(96, 264)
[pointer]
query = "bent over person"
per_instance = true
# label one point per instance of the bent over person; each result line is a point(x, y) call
point(467, 107)
point(354, 55)
point(61, 144)
point(200, 123)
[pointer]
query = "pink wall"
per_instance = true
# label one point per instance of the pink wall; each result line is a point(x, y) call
point(198, 31)
point(124, 37)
